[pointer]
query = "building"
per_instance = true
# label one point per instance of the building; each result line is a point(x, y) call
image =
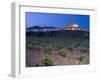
point(72, 26)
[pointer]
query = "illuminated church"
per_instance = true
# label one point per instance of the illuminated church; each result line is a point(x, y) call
point(72, 26)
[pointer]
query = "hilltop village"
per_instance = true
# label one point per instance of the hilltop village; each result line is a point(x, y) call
point(72, 26)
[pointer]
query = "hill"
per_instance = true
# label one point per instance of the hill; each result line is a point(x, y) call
point(60, 33)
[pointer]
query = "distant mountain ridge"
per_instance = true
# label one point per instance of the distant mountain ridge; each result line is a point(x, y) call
point(38, 27)
point(41, 29)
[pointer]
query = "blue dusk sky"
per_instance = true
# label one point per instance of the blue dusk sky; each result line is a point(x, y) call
point(56, 20)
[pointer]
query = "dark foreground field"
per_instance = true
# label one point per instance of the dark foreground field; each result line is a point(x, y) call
point(57, 48)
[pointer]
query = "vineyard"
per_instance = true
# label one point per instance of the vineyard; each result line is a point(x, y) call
point(57, 48)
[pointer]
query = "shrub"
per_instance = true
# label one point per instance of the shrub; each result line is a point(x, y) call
point(47, 61)
point(29, 45)
point(36, 46)
point(49, 49)
point(84, 50)
point(63, 52)
point(81, 59)
point(71, 46)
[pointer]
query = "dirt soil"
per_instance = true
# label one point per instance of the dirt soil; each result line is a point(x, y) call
point(34, 57)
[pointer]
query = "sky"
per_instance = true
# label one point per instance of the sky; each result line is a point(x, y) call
point(56, 20)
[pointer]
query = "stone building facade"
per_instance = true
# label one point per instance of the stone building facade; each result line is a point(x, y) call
point(72, 27)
